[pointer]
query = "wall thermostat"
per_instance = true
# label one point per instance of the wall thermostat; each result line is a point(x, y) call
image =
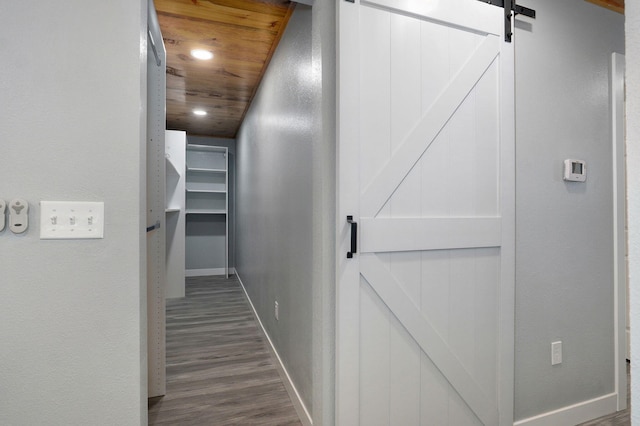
point(575, 170)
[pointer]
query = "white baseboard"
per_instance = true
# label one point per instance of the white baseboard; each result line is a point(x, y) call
point(574, 414)
point(296, 400)
point(205, 272)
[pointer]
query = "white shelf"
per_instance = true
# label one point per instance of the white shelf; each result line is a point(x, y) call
point(175, 219)
point(208, 191)
point(202, 170)
point(171, 168)
point(203, 211)
point(192, 147)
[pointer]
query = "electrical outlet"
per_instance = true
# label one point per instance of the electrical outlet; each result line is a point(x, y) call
point(277, 311)
point(556, 353)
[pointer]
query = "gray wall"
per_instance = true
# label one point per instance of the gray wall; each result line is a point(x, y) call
point(633, 178)
point(72, 313)
point(564, 231)
point(275, 203)
point(205, 234)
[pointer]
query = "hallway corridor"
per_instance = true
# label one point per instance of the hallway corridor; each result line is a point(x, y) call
point(219, 368)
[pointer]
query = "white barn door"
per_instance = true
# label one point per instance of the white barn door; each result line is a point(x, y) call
point(426, 167)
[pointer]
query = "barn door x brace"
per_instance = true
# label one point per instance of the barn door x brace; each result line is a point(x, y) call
point(509, 7)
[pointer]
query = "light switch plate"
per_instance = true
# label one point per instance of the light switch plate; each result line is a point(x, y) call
point(71, 220)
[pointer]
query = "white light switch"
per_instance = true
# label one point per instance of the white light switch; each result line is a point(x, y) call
point(71, 220)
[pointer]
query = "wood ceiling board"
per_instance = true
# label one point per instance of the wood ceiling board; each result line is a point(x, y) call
point(219, 122)
point(261, 6)
point(215, 79)
point(216, 84)
point(206, 127)
point(204, 98)
point(242, 34)
point(200, 99)
point(221, 119)
point(211, 12)
point(615, 5)
point(180, 36)
point(186, 68)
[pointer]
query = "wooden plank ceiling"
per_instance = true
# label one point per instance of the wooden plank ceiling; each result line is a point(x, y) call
point(241, 34)
point(616, 5)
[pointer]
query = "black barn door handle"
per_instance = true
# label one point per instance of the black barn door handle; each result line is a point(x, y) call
point(354, 237)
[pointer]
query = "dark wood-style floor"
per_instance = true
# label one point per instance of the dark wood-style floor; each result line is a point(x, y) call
point(219, 368)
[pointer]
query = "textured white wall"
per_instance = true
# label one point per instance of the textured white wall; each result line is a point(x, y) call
point(632, 14)
point(275, 203)
point(72, 347)
point(286, 205)
point(564, 231)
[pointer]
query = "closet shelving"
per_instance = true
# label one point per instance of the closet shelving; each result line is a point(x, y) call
point(175, 142)
point(173, 178)
point(207, 179)
point(207, 185)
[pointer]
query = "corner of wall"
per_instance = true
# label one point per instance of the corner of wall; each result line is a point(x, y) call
point(632, 31)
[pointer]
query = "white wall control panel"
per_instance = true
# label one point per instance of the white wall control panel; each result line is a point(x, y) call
point(71, 220)
point(575, 170)
point(18, 215)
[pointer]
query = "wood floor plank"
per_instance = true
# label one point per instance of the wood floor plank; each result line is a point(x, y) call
point(219, 368)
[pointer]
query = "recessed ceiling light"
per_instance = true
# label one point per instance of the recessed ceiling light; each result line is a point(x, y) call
point(199, 112)
point(201, 54)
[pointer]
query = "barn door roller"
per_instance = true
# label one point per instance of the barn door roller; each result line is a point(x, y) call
point(510, 6)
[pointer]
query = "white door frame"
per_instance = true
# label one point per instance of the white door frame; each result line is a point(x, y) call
point(619, 224)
